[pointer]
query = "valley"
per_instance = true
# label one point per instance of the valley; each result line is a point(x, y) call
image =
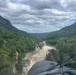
point(36, 56)
point(19, 50)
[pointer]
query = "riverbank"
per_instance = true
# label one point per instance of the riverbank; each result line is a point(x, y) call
point(35, 56)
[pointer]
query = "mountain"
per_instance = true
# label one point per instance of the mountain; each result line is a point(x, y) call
point(38, 34)
point(14, 44)
point(7, 24)
point(68, 31)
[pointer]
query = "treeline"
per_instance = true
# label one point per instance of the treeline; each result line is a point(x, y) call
point(13, 40)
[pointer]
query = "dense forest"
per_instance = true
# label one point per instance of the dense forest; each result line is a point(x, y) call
point(13, 41)
point(65, 42)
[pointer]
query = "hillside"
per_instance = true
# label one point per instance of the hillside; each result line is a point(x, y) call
point(65, 41)
point(69, 31)
point(14, 44)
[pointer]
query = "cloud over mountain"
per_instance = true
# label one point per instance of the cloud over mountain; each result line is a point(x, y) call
point(39, 15)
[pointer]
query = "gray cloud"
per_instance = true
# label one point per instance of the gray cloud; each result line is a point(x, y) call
point(44, 4)
point(72, 6)
point(39, 15)
point(3, 3)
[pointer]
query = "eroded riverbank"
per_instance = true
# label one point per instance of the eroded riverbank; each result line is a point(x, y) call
point(35, 56)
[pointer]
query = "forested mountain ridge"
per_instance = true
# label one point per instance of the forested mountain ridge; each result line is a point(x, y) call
point(13, 41)
point(7, 24)
point(73, 26)
point(4, 21)
point(68, 31)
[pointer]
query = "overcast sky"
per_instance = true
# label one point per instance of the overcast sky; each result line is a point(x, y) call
point(38, 16)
